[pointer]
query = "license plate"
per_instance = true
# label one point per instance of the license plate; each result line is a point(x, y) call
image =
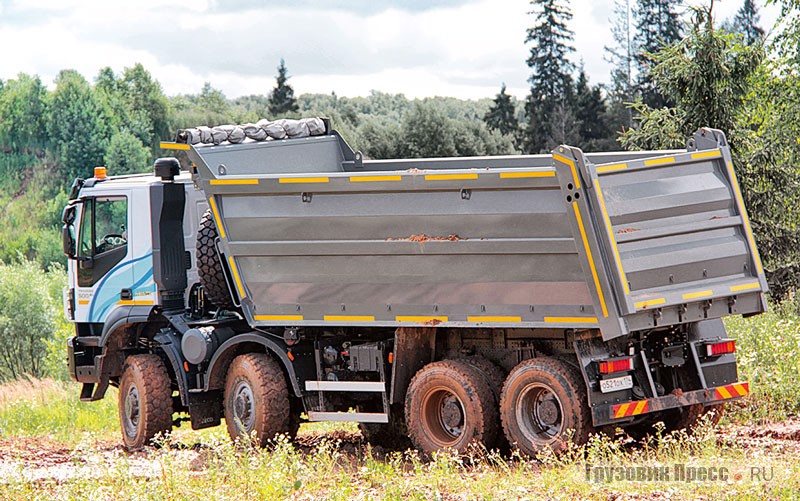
point(616, 384)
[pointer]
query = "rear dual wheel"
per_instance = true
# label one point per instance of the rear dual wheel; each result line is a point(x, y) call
point(544, 405)
point(450, 405)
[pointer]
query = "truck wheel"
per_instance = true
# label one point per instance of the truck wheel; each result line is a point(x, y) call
point(256, 398)
point(544, 404)
point(494, 376)
point(145, 400)
point(449, 404)
point(392, 435)
point(209, 267)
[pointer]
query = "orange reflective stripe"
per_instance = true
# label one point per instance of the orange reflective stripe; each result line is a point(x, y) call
point(621, 410)
point(640, 407)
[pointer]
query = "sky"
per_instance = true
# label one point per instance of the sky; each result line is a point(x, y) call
point(420, 48)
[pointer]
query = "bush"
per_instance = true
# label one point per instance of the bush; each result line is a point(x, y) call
point(32, 327)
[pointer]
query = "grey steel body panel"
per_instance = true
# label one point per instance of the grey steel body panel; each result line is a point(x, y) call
point(619, 242)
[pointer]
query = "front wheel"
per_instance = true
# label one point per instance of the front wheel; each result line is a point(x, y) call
point(544, 404)
point(449, 405)
point(145, 400)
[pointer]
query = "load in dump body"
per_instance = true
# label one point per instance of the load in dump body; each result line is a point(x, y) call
point(315, 235)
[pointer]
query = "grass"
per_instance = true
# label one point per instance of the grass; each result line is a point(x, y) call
point(337, 465)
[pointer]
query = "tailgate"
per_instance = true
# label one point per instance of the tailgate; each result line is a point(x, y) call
point(675, 236)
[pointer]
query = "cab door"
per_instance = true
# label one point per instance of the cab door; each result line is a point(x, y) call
point(102, 273)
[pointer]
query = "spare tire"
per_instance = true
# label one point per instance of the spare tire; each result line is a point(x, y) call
point(209, 265)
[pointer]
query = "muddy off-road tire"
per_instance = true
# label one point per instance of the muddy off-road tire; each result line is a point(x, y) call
point(449, 405)
point(256, 399)
point(209, 267)
point(495, 376)
point(544, 404)
point(145, 400)
point(392, 435)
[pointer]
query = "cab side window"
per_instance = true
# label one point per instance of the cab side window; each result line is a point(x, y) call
point(103, 238)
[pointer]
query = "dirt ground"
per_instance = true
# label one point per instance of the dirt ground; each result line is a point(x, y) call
point(37, 459)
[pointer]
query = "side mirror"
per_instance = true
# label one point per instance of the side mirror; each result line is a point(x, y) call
point(67, 241)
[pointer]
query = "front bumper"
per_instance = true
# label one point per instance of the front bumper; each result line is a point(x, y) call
point(626, 412)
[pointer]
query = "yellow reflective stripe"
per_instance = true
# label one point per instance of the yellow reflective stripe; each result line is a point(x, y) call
point(724, 392)
point(591, 259)
point(173, 146)
point(570, 320)
point(215, 211)
point(744, 287)
point(747, 228)
point(613, 240)
point(136, 302)
point(515, 175)
point(650, 302)
point(740, 389)
point(235, 273)
point(611, 168)
point(494, 319)
point(374, 179)
point(273, 318)
point(659, 161)
point(622, 410)
point(698, 294)
point(348, 318)
point(571, 163)
point(419, 319)
point(447, 177)
point(639, 407)
point(296, 180)
point(233, 181)
point(83, 301)
point(706, 154)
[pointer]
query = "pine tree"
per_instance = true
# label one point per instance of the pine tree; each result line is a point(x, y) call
point(551, 81)
point(745, 23)
point(657, 25)
point(502, 115)
point(590, 111)
point(620, 55)
point(282, 99)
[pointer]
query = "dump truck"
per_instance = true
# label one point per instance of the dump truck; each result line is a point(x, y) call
point(274, 276)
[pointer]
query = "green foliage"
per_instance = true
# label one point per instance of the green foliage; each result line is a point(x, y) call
point(78, 126)
point(23, 113)
point(48, 408)
point(126, 154)
point(148, 108)
point(282, 101)
point(28, 318)
point(768, 349)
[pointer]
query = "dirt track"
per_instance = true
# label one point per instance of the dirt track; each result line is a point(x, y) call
point(42, 459)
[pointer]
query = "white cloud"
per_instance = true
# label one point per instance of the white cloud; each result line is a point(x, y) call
point(463, 48)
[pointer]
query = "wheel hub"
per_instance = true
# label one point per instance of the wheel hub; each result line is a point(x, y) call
point(131, 412)
point(548, 412)
point(452, 415)
point(244, 406)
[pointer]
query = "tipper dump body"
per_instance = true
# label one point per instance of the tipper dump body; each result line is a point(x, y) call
point(619, 242)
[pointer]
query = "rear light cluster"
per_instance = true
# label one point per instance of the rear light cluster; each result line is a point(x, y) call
point(612, 366)
point(720, 348)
